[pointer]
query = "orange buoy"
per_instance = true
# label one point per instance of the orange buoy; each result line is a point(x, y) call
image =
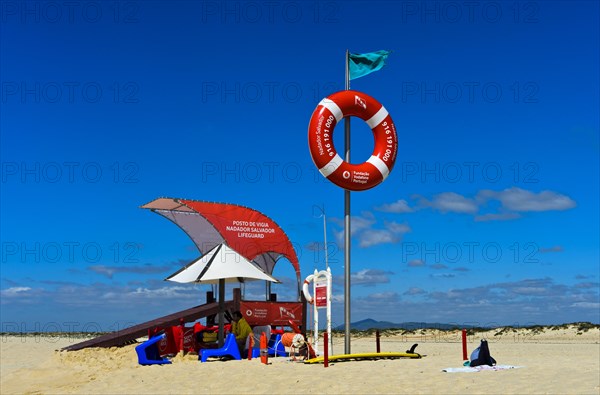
point(264, 351)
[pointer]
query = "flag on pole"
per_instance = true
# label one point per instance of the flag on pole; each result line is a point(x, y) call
point(366, 63)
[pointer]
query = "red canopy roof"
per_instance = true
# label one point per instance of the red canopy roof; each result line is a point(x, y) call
point(249, 232)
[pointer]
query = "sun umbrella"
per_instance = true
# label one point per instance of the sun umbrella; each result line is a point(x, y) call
point(220, 265)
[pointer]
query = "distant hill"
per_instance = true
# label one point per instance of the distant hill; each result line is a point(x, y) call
point(373, 324)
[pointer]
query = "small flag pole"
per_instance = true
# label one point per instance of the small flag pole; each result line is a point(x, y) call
point(347, 225)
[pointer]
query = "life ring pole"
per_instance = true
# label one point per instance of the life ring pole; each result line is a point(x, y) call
point(347, 225)
point(342, 172)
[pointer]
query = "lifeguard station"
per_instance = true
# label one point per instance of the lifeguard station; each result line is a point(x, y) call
point(220, 227)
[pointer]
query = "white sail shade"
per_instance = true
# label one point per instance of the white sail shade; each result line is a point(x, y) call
point(220, 263)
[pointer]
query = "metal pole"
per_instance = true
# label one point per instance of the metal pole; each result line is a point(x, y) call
point(464, 345)
point(221, 334)
point(325, 237)
point(268, 291)
point(328, 276)
point(347, 229)
point(329, 308)
point(315, 312)
point(325, 350)
point(322, 209)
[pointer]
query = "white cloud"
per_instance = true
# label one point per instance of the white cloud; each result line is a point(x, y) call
point(110, 271)
point(442, 275)
point(358, 223)
point(586, 305)
point(397, 228)
point(416, 263)
point(496, 217)
point(438, 266)
point(370, 277)
point(488, 303)
point(392, 233)
point(337, 298)
point(398, 207)
point(361, 227)
point(415, 291)
point(587, 285)
point(451, 202)
point(551, 249)
point(511, 201)
point(485, 304)
point(531, 291)
point(377, 236)
point(163, 292)
point(384, 295)
point(366, 277)
point(14, 291)
point(103, 270)
point(520, 200)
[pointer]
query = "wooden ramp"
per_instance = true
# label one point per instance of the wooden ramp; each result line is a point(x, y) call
point(125, 336)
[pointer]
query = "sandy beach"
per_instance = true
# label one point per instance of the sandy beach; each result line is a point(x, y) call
point(559, 361)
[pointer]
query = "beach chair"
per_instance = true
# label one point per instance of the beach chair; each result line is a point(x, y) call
point(230, 348)
point(276, 347)
point(148, 353)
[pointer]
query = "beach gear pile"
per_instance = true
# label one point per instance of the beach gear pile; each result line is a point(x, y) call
point(481, 355)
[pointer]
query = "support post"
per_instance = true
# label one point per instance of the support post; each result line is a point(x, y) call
point(464, 344)
point(326, 349)
point(182, 336)
point(347, 271)
point(210, 298)
point(221, 334)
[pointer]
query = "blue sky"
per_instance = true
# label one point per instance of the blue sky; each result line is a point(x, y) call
point(490, 215)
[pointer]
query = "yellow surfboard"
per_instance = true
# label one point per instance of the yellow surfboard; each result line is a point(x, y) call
point(365, 356)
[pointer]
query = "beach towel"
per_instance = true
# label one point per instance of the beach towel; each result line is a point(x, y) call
point(473, 369)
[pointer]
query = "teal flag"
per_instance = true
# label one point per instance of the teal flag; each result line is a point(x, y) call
point(366, 63)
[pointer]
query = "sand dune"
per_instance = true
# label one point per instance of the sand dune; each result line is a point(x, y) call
point(559, 361)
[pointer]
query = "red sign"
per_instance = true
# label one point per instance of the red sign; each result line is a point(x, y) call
point(189, 340)
point(321, 295)
point(170, 344)
point(271, 313)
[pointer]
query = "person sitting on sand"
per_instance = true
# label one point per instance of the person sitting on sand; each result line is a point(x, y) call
point(241, 330)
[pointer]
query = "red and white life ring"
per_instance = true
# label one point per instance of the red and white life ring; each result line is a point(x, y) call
point(305, 290)
point(353, 177)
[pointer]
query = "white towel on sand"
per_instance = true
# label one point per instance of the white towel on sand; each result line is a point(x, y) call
point(469, 369)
